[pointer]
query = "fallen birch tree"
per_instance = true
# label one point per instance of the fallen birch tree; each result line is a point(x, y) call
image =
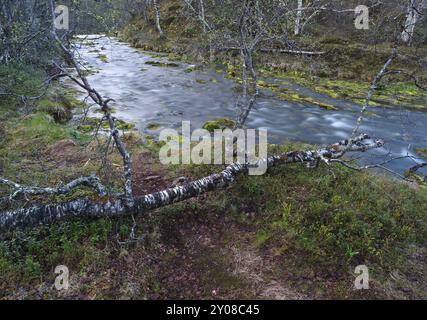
point(85, 208)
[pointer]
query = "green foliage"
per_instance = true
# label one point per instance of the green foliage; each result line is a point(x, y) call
point(77, 244)
point(20, 80)
point(322, 223)
point(394, 94)
point(38, 129)
point(358, 218)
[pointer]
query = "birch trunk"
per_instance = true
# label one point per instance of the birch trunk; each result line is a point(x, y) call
point(202, 13)
point(415, 9)
point(298, 18)
point(157, 13)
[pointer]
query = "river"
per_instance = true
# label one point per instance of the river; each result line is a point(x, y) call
point(148, 94)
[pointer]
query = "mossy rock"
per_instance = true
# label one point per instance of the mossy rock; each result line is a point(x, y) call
point(421, 152)
point(219, 124)
point(153, 126)
point(191, 68)
point(295, 97)
point(162, 64)
point(86, 128)
point(89, 72)
point(319, 103)
point(89, 43)
point(103, 58)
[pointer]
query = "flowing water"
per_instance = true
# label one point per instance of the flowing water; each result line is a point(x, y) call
point(147, 94)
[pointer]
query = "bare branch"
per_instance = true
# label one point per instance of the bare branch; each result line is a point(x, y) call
point(91, 181)
point(103, 103)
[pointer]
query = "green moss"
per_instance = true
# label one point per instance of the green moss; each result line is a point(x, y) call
point(174, 56)
point(103, 57)
point(76, 244)
point(391, 95)
point(90, 124)
point(422, 152)
point(123, 125)
point(295, 97)
point(41, 126)
point(220, 123)
point(266, 85)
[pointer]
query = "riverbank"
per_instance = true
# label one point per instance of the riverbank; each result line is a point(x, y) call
point(344, 71)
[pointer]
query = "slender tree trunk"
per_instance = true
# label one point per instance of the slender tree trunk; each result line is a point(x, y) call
point(144, 10)
point(202, 13)
point(298, 18)
point(157, 13)
point(6, 36)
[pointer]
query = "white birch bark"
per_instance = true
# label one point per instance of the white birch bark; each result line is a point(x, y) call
point(298, 18)
point(157, 13)
point(415, 9)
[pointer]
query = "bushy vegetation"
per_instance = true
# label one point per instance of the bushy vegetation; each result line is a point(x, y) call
point(330, 222)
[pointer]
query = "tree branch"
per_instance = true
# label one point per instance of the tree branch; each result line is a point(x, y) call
point(90, 181)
